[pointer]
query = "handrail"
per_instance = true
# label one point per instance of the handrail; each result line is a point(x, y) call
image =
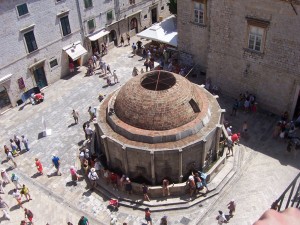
point(290, 192)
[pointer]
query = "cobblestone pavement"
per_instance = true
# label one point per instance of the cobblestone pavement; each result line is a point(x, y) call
point(264, 173)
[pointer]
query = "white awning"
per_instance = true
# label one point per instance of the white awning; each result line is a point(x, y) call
point(165, 32)
point(98, 35)
point(5, 78)
point(75, 50)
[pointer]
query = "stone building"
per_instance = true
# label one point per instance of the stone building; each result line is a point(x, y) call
point(36, 38)
point(244, 46)
point(106, 21)
point(158, 125)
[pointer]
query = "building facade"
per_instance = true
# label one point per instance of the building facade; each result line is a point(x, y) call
point(34, 34)
point(43, 39)
point(249, 46)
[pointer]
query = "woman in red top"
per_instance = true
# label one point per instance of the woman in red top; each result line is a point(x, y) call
point(148, 216)
point(39, 165)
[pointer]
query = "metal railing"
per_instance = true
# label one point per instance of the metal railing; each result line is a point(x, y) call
point(290, 197)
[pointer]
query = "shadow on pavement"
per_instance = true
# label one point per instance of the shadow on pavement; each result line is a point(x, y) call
point(72, 124)
point(36, 175)
point(41, 135)
point(15, 207)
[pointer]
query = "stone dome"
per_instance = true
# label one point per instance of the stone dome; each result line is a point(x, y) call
point(157, 100)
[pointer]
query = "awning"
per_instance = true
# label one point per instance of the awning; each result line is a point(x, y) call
point(165, 32)
point(75, 50)
point(98, 35)
point(5, 78)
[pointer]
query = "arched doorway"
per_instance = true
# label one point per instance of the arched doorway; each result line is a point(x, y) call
point(113, 37)
point(134, 25)
point(4, 99)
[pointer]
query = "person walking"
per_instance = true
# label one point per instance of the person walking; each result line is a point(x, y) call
point(116, 80)
point(145, 192)
point(163, 220)
point(133, 49)
point(74, 174)
point(128, 186)
point(15, 179)
point(5, 176)
point(14, 148)
point(11, 158)
point(221, 218)
point(3, 204)
point(84, 126)
point(25, 142)
point(25, 191)
point(93, 177)
point(39, 166)
point(135, 72)
point(18, 142)
point(229, 146)
point(16, 194)
point(148, 216)
point(75, 115)
point(83, 221)
point(92, 113)
point(28, 215)
point(192, 185)
point(56, 164)
point(231, 206)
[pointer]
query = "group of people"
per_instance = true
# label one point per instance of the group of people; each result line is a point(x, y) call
point(246, 102)
point(222, 218)
point(196, 182)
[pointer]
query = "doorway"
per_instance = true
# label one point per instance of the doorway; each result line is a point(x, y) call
point(134, 25)
point(40, 77)
point(297, 106)
point(95, 47)
point(4, 99)
point(154, 15)
point(113, 37)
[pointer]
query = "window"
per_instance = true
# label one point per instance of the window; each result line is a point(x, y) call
point(199, 12)
point(65, 25)
point(145, 16)
point(91, 24)
point(255, 38)
point(131, 2)
point(88, 3)
point(53, 63)
point(22, 9)
point(30, 41)
point(162, 8)
point(256, 33)
point(109, 15)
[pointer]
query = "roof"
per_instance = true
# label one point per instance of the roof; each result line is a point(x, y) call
point(165, 32)
point(157, 100)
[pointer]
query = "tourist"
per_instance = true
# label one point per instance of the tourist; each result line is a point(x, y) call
point(3, 204)
point(235, 107)
point(148, 216)
point(25, 191)
point(245, 128)
point(236, 138)
point(71, 67)
point(14, 148)
point(165, 186)
point(203, 177)
point(116, 80)
point(128, 38)
point(128, 186)
point(16, 194)
point(15, 179)
point(114, 180)
point(221, 218)
point(85, 166)
point(74, 174)
point(1, 187)
point(229, 146)
point(142, 71)
point(192, 185)
point(146, 64)
point(81, 156)
point(83, 221)
point(89, 132)
point(106, 175)
point(92, 114)
point(133, 49)
point(144, 53)
point(94, 58)
point(163, 220)
point(75, 115)
point(25, 142)
point(198, 182)
point(145, 192)
point(29, 215)
point(139, 46)
point(231, 206)
point(135, 72)
point(69, 223)
point(56, 164)
point(5, 176)
point(122, 40)
point(18, 142)
point(10, 157)
point(229, 130)
point(84, 126)
point(6, 150)
point(108, 68)
point(93, 177)
point(39, 166)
